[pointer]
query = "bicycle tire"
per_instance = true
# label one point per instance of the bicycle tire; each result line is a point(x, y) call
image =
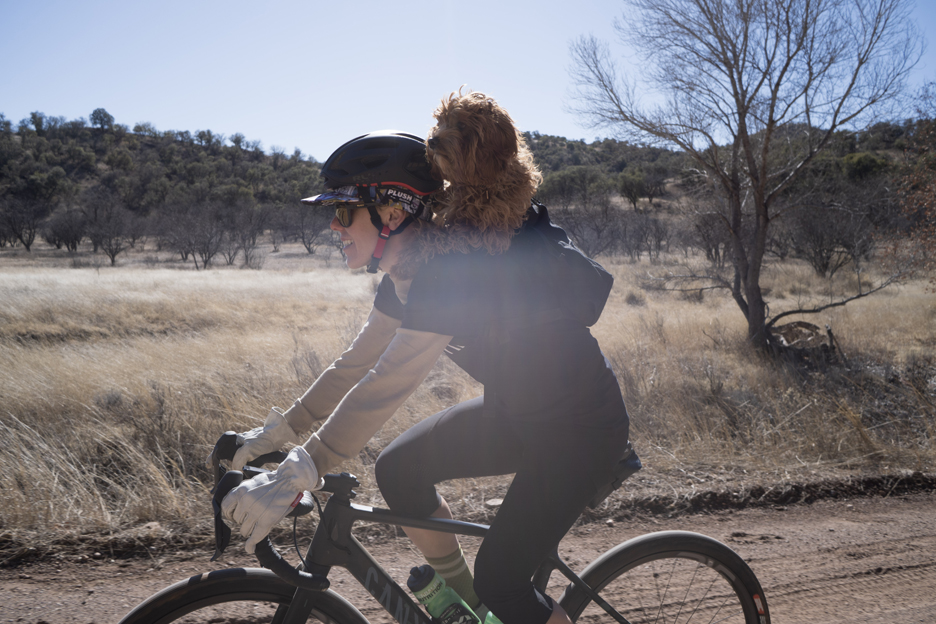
point(236, 595)
point(671, 577)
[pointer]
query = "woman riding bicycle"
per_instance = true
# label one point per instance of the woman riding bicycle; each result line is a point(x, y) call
point(551, 413)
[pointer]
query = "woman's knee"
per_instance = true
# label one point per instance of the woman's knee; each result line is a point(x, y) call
point(403, 485)
point(389, 472)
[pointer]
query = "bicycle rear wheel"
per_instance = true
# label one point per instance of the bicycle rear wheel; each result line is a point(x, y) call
point(673, 577)
point(237, 595)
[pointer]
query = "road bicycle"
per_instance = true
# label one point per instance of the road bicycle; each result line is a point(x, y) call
point(669, 577)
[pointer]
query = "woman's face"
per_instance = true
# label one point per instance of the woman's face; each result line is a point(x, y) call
point(358, 239)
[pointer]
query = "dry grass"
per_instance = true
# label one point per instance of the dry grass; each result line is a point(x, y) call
point(695, 391)
point(116, 381)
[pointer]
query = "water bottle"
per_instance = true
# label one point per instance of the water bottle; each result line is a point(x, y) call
point(441, 601)
point(486, 616)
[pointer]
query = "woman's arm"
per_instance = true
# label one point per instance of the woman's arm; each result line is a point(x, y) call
point(333, 384)
point(402, 367)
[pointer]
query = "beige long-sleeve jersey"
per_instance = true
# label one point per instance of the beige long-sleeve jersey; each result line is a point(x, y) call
point(362, 389)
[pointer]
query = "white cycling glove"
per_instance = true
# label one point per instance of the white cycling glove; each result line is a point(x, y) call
point(274, 433)
point(259, 503)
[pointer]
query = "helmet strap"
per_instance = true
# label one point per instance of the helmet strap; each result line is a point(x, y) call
point(385, 234)
point(379, 249)
point(375, 216)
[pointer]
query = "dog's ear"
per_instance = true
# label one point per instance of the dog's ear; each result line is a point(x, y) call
point(497, 142)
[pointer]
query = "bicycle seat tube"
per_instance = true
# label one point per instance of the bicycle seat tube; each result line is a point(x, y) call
point(334, 545)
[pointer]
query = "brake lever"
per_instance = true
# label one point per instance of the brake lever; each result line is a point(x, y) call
point(228, 482)
point(226, 447)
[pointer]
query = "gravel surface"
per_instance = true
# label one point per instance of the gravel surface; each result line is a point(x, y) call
point(862, 559)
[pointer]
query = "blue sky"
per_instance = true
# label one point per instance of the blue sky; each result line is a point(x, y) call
point(302, 73)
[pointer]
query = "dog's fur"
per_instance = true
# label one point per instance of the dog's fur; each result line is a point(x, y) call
point(489, 174)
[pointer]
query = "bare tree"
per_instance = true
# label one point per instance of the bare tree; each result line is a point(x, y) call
point(175, 228)
point(96, 203)
point(918, 186)
point(836, 226)
point(594, 228)
point(706, 231)
point(7, 237)
point(335, 242)
point(137, 231)
point(311, 226)
point(817, 243)
point(208, 233)
point(658, 237)
point(250, 223)
point(230, 247)
point(640, 232)
point(754, 90)
point(655, 176)
point(65, 228)
point(578, 185)
point(106, 220)
point(631, 185)
point(23, 217)
point(195, 230)
point(111, 230)
point(579, 198)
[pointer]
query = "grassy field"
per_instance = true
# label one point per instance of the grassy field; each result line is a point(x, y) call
point(115, 382)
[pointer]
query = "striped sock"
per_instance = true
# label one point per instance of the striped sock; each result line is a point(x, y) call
point(454, 569)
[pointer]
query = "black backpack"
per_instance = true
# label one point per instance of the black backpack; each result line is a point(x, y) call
point(586, 283)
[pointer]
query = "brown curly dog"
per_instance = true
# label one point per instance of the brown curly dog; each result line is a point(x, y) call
point(489, 172)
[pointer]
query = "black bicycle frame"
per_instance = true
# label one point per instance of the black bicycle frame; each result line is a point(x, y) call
point(334, 545)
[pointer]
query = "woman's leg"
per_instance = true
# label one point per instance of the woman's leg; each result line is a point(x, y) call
point(455, 443)
point(432, 544)
point(562, 467)
point(557, 468)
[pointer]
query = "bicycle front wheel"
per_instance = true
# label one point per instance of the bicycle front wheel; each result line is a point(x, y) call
point(673, 577)
point(237, 595)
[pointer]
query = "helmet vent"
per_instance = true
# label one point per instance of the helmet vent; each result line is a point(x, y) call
point(374, 161)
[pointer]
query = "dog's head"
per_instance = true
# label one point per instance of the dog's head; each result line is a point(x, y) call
point(472, 140)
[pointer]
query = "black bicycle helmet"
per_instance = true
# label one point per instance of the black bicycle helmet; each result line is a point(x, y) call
point(384, 157)
point(379, 168)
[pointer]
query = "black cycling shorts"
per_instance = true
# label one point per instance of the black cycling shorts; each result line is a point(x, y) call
point(558, 466)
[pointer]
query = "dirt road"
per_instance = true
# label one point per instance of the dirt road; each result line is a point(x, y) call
point(862, 560)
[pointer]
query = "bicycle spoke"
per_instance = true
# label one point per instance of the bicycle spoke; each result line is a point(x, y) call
point(720, 607)
point(686, 596)
point(670, 591)
point(662, 599)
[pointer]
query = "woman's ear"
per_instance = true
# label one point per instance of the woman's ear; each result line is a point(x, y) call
point(392, 216)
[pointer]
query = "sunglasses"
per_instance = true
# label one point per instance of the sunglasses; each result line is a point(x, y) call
point(343, 214)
